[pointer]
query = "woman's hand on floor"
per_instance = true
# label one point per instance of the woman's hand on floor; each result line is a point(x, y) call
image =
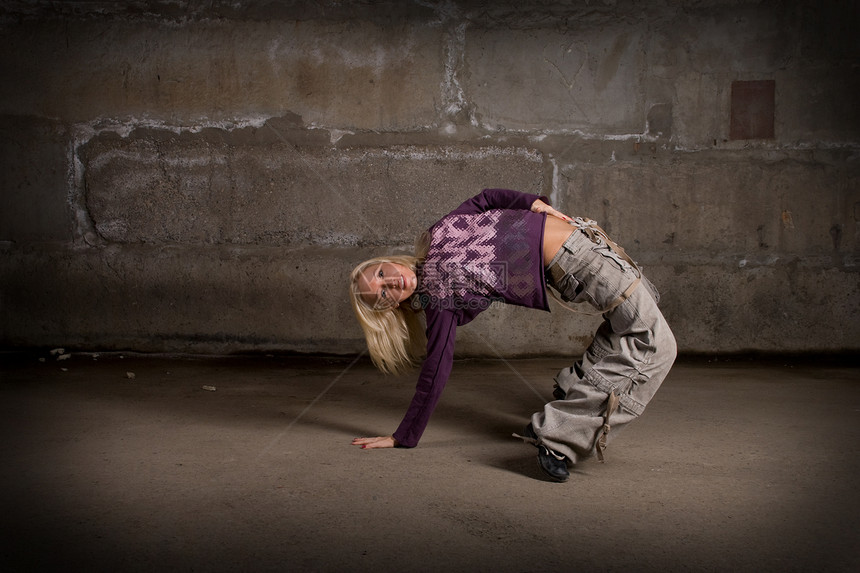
point(373, 443)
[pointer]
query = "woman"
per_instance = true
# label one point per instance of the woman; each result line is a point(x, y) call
point(503, 245)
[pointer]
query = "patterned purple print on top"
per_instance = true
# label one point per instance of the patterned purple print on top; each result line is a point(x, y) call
point(483, 255)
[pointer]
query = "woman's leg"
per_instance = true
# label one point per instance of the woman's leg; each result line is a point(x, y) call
point(630, 355)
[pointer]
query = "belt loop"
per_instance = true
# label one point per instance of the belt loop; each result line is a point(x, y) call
point(557, 273)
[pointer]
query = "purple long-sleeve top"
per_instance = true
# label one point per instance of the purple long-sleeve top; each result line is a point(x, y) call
point(488, 249)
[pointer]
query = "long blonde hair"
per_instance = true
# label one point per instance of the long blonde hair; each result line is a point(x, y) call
point(395, 336)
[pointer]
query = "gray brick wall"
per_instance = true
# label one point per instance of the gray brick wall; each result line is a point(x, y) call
point(202, 179)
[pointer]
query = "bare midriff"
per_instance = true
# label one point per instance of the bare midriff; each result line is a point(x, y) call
point(555, 233)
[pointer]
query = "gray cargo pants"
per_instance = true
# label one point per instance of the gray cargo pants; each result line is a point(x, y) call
point(630, 355)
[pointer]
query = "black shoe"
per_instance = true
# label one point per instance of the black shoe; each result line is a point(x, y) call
point(554, 465)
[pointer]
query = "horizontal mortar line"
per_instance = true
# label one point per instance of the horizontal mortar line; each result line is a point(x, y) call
point(324, 251)
point(87, 130)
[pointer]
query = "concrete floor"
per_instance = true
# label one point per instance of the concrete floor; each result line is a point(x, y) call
point(736, 466)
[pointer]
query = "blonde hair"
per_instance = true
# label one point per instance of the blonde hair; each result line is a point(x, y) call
point(395, 336)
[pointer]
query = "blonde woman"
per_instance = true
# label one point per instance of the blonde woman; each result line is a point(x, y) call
point(507, 246)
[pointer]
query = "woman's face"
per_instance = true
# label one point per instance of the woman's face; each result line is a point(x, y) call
point(385, 285)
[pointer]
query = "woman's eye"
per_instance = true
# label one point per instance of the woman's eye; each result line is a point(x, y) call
point(380, 273)
point(383, 293)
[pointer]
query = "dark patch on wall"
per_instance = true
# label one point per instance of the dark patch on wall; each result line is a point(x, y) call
point(752, 109)
point(660, 119)
point(761, 236)
point(836, 235)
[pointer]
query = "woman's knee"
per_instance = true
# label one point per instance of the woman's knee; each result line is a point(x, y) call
point(667, 350)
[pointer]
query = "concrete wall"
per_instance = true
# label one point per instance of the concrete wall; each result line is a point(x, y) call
point(200, 176)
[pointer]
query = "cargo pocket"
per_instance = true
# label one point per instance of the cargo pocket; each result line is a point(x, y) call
point(602, 249)
point(570, 288)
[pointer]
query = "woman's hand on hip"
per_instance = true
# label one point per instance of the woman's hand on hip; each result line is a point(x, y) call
point(540, 207)
point(373, 443)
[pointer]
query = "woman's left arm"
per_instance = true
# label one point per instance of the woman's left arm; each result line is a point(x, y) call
point(497, 199)
point(540, 207)
point(508, 199)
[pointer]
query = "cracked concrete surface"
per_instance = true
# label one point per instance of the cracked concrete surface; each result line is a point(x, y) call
point(736, 466)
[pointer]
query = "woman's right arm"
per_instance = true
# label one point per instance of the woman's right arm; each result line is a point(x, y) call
point(435, 370)
point(373, 443)
point(441, 331)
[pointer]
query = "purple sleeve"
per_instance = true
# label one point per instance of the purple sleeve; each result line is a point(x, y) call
point(441, 331)
point(498, 199)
